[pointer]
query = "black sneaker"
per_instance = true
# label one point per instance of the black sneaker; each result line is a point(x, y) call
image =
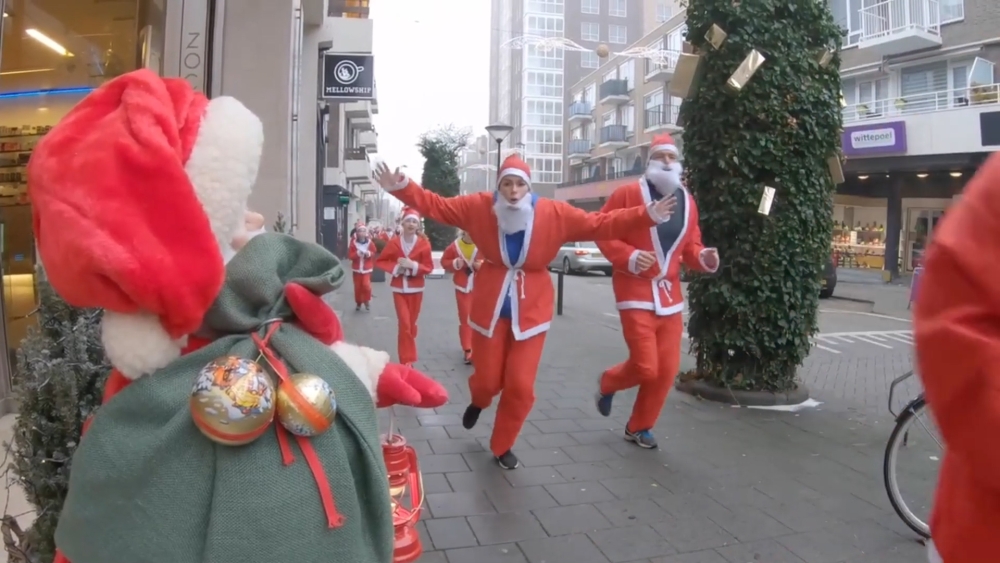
point(368, 306)
point(508, 460)
point(358, 307)
point(471, 417)
point(642, 438)
point(468, 357)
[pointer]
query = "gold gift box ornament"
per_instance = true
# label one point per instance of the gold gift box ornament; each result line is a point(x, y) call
point(746, 70)
point(716, 36)
point(687, 73)
point(836, 168)
point(824, 57)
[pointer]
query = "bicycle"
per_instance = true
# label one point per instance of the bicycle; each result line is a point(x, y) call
point(898, 441)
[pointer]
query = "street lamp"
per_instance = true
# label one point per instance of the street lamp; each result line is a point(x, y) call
point(499, 132)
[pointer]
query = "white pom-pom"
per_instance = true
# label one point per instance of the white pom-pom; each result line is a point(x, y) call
point(136, 344)
point(367, 363)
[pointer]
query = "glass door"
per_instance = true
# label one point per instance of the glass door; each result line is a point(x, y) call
point(920, 228)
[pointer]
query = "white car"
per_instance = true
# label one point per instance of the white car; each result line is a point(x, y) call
point(438, 271)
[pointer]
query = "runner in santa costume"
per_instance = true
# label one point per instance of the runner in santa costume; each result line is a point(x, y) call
point(517, 234)
point(956, 325)
point(200, 452)
point(407, 258)
point(647, 286)
point(462, 258)
point(361, 252)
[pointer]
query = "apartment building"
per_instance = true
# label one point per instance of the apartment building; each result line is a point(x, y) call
point(528, 85)
point(658, 12)
point(476, 172)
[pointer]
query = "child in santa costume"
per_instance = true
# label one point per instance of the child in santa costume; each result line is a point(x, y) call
point(956, 325)
point(462, 258)
point(361, 253)
point(647, 286)
point(139, 203)
point(407, 258)
point(517, 234)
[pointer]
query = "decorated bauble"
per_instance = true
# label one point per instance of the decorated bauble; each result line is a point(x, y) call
point(311, 410)
point(233, 401)
point(602, 51)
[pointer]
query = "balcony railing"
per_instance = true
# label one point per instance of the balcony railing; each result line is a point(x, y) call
point(659, 116)
point(614, 134)
point(891, 17)
point(356, 154)
point(654, 67)
point(928, 102)
point(613, 88)
point(580, 146)
point(603, 177)
point(580, 109)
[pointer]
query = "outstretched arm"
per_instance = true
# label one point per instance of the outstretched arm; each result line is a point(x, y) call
point(694, 256)
point(452, 211)
point(621, 254)
point(578, 225)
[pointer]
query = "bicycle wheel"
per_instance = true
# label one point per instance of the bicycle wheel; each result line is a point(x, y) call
point(914, 513)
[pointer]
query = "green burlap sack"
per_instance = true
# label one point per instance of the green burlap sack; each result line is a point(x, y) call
point(148, 487)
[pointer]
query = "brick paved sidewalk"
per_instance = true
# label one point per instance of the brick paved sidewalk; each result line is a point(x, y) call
point(726, 486)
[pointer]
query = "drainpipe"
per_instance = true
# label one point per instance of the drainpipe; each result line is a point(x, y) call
point(296, 94)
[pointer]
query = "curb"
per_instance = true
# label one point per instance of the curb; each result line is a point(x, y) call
point(701, 389)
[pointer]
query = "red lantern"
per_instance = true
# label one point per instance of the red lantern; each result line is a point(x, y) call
point(404, 473)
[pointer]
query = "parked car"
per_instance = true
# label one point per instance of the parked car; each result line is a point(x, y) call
point(438, 271)
point(580, 257)
point(829, 281)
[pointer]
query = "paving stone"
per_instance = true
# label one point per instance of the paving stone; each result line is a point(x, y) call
point(822, 546)
point(632, 512)
point(442, 463)
point(555, 440)
point(586, 471)
point(433, 557)
point(575, 548)
point(445, 505)
point(693, 533)
point(581, 492)
point(542, 457)
point(762, 550)
point(424, 433)
point(477, 480)
point(507, 527)
point(487, 554)
point(630, 543)
point(574, 519)
point(449, 533)
point(520, 499)
point(436, 483)
point(695, 504)
point(600, 436)
point(553, 426)
point(749, 524)
point(439, 419)
point(707, 556)
point(530, 476)
point(590, 452)
point(635, 487)
point(454, 445)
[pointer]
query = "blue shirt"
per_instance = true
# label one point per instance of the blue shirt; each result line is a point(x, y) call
point(514, 244)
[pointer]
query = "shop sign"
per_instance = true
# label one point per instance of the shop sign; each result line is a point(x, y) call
point(348, 76)
point(875, 139)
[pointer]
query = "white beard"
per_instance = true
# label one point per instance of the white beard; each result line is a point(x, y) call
point(665, 178)
point(514, 218)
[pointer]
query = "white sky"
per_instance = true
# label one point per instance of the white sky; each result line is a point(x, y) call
point(432, 64)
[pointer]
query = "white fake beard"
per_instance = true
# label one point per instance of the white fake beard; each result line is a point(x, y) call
point(514, 218)
point(666, 178)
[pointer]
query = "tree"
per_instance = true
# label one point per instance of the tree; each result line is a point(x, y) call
point(61, 369)
point(441, 149)
point(751, 323)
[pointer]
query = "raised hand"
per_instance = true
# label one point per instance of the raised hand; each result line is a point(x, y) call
point(710, 259)
point(664, 208)
point(386, 178)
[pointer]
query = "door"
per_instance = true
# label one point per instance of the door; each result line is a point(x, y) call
point(920, 229)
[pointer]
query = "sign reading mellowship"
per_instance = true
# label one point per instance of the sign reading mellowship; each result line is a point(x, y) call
point(348, 76)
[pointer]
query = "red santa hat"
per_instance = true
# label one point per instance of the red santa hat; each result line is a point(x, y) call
point(135, 195)
point(663, 143)
point(409, 213)
point(514, 166)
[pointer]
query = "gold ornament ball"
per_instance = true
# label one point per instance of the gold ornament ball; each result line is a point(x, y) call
point(602, 51)
point(233, 401)
point(321, 401)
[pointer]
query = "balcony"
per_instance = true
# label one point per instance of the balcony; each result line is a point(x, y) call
point(580, 112)
point(361, 109)
point(356, 166)
point(929, 102)
point(893, 27)
point(614, 136)
point(614, 92)
point(661, 71)
point(579, 149)
point(348, 9)
point(368, 140)
point(661, 119)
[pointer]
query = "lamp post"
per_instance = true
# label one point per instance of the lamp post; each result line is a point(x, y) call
point(499, 132)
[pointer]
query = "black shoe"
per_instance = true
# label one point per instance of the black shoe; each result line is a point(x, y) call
point(471, 417)
point(358, 307)
point(508, 460)
point(468, 357)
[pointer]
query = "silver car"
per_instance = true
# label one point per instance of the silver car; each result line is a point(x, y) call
point(580, 257)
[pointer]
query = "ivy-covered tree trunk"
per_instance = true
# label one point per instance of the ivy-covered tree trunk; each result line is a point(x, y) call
point(441, 149)
point(61, 369)
point(751, 323)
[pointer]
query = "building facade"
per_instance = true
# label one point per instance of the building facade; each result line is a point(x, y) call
point(266, 53)
point(528, 86)
point(475, 169)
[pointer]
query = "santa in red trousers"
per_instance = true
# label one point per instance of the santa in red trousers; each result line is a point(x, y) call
point(462, 258)
point(517, 234)
point(407, 258)
point(646, 281)
point(361, 252)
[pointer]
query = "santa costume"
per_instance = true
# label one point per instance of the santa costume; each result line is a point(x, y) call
point(957, 344)
point(462, 258)
point(512, 303)
point(650, 302)
point(361, 253)
point(139, 201)
point(407, 258)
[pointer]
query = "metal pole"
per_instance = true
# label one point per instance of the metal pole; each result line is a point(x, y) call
point(499, 143)
point(559, 292)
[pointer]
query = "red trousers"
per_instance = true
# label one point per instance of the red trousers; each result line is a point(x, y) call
point(407, 311)
point(654, 356)
point(464, 330)
point(362, 288)
point(502, 364)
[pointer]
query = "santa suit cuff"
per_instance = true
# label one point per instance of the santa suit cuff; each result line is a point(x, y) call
point(397, 270)
point(401, 183)
point(651, 209)
point(701, 261)
point(633, 265)
point(414, 269)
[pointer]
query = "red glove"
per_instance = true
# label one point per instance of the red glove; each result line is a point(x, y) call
point(403, 385)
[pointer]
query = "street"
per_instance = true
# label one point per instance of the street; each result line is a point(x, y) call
point(727, 485)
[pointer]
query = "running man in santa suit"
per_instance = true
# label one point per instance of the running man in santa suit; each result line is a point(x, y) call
point(647, 286)
point(462, 258)
point(361, 252)
point(517, 234)
point(407, 258)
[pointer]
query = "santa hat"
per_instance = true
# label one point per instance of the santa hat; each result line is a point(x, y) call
point(663, 143)
point(410, 213)
point(135, 195)
point(514, 166)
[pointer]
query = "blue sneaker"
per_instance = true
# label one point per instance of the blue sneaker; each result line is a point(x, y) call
point(642, 438)
point(603, 401)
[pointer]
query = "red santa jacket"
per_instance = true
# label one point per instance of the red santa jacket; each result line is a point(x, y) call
point(675, 242)
point(406, 280)
point(463, 277)
point(525, 278)
point(361, 256)
point(957, 333)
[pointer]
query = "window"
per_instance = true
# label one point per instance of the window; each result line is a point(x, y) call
point(959, 85)
point(662, 12)
point(590, 31)
point(675, 38)
point(545, 6)
point(610, 75)
point(540, 58)
point(873, 98)
point(590, 94)
point(590, 7)
point(923, 87)
point(649, 65)
point(543, 141)
point(546, 170)
point(544, 26)
point(543, 112)
point(951, 10)
point(654, 100)
point(589, 59)
point(628, 118)
point(626, 71)
point(617, 8)
point(544, 84)
point(609, 118)
point(617, 34)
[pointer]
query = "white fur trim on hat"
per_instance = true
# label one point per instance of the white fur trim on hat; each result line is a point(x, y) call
point(663, 148)
point(137, 344)
point(366, 363)
point(515, 172)
point(411, 215)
